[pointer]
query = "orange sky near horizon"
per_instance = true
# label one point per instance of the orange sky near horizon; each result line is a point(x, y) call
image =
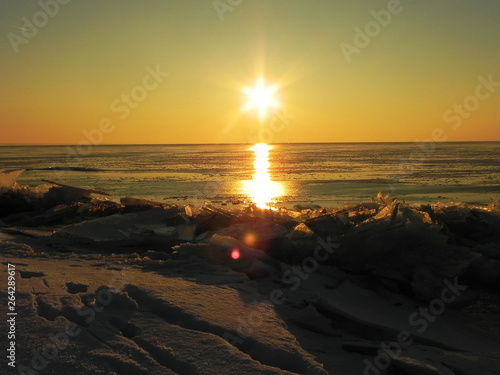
point(173, 72)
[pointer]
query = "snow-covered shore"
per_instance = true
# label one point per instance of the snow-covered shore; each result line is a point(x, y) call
point(380, 287)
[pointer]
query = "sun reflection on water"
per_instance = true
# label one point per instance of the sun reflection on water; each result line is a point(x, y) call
point(261, 189)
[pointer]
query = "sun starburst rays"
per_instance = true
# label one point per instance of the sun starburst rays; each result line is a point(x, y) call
point(261, 98)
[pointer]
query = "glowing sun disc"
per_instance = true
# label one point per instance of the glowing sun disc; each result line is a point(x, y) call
point(261, 98)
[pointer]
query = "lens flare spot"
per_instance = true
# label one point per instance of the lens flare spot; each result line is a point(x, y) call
point(249, 239)
point(235, 254)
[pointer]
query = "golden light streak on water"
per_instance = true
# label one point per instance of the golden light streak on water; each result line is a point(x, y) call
point(261, 189)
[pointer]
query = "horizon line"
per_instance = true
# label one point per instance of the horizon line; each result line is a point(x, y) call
point(225, 143)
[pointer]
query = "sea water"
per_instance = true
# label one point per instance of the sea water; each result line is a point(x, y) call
point(327, 174)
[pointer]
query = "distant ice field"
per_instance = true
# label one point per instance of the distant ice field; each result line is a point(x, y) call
point(325, 174)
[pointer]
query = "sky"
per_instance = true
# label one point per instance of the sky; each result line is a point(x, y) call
point(172, 71)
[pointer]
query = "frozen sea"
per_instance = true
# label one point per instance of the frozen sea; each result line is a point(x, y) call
point(327, 174)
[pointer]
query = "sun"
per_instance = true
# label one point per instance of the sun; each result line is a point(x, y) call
point(261, 98)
